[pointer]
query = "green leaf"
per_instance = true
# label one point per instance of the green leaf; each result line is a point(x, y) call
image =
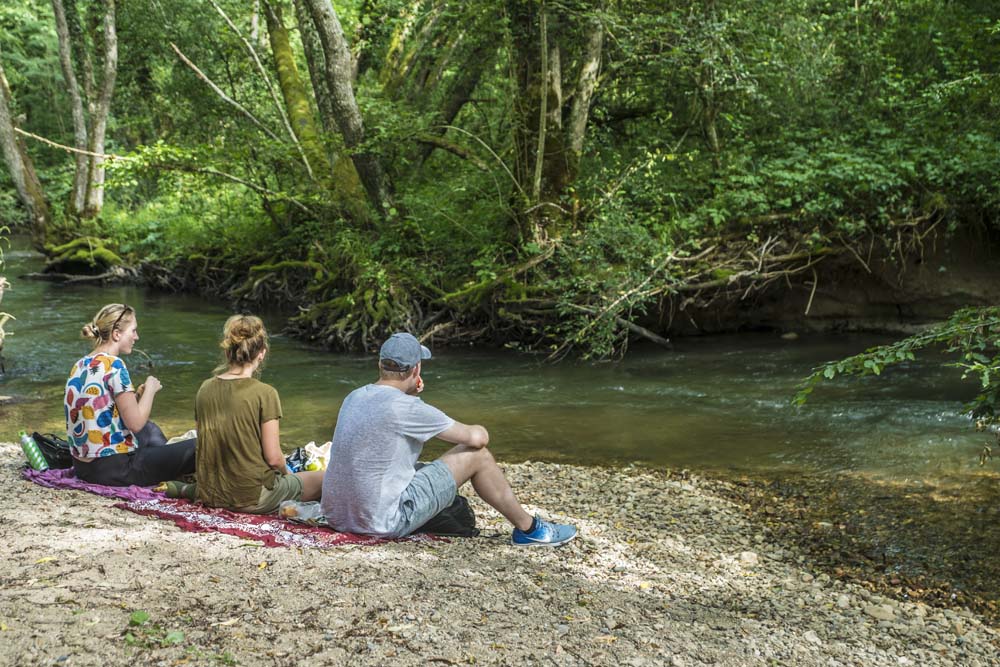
point(138, 617)
point(173, 638)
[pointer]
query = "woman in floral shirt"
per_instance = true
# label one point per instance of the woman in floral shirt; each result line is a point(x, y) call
point(106, 419)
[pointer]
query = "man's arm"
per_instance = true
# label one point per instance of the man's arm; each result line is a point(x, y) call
point(472, 435)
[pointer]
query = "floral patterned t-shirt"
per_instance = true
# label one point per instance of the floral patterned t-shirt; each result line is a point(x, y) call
point(93, 424)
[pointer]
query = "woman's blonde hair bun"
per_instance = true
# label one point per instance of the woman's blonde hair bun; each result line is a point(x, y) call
point(243, 339)
point(107, 319)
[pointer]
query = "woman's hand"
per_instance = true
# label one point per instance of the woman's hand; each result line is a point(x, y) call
point(135, 407)
point(151, 385)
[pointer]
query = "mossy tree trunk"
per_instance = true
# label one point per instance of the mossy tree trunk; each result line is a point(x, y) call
point(339, 79)
point(338, 177)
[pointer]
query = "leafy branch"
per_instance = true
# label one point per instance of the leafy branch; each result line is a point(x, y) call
point(972, 334)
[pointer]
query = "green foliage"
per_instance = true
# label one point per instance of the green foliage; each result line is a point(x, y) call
point(138, 617)
point(819, 121)
point(971, 336)
point(144, 634)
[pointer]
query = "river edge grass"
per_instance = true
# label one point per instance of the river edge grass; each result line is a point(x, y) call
point(667, 570)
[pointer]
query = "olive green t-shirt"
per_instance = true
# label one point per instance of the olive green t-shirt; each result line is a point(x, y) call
point(229, 460)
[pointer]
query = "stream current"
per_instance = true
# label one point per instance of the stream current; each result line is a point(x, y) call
point(719, 404)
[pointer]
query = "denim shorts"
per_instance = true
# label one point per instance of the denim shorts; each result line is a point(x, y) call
point(430, 491)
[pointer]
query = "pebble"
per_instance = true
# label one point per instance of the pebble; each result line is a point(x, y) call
point(786, 614)
point(881, 612)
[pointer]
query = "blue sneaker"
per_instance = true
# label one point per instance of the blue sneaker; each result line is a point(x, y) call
point(545, 534)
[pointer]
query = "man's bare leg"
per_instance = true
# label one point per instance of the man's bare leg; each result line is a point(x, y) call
point(479, 466)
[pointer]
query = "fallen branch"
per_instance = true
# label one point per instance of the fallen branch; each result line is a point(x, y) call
point(487, 284)
point(638, 289)
point(115, 273)
point(236, 179)
point(633, 327)
point(72, 149)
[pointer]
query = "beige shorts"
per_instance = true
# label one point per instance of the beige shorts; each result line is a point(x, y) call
point(286, 487)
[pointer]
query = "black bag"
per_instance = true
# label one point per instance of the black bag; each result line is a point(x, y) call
point(54, 449)
point(455, 520)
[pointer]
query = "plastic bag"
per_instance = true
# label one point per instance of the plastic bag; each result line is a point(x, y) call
point(302, 512)
point(317, 456)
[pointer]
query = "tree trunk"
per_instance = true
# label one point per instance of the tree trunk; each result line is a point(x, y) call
point(78, 196)
point(99, 121)
point(22, 170)
point(401, 51)
point(294, 94)
point(315, 61)
point(709, 113)
point(460, 89)
point(586, 84)
point(339, 69)
point(90, 126)
point(542, 167)
point(340, 180)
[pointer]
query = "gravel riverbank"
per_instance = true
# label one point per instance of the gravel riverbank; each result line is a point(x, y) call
point(666, 572)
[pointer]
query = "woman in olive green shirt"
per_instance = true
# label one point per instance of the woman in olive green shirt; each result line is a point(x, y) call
point(238, 462)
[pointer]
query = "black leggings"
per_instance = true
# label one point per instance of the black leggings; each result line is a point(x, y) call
point(154, 461)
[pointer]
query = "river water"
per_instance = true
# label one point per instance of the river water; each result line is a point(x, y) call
point(716, 404)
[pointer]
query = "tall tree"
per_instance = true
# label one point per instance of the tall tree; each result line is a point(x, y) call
point(339, 68)
point(551, 46)
point(341, 180)
point(91, 106)
point(21, 168)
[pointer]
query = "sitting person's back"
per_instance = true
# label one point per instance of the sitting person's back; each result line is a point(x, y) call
point(372, 485)
point(239, 462)
point(379, 435)
point(229, 466)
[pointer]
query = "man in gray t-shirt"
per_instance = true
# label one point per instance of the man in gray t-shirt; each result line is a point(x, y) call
point(372, 485)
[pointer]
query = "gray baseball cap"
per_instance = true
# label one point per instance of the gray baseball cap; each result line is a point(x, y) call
point(404, 350)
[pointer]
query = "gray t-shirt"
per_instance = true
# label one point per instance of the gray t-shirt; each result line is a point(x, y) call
point(380, 433)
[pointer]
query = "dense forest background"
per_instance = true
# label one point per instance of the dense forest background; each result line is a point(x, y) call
point(555, 176)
